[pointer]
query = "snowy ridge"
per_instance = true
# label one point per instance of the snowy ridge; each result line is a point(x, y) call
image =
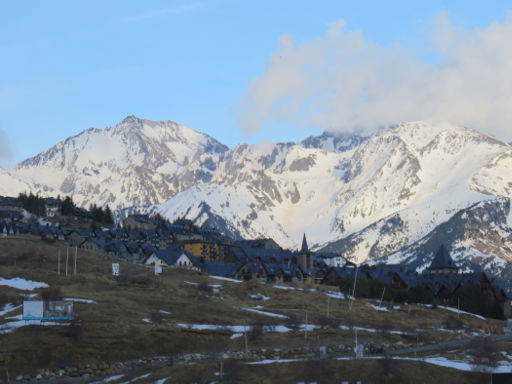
point(367, 197)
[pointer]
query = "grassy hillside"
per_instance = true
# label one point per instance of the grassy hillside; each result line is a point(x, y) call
point(138, 315)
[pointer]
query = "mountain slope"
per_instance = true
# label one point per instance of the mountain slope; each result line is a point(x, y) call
point(404, 178)
point(134, 163)
point(367, 197)
point(479, 237)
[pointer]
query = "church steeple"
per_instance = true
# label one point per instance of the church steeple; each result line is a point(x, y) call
point(304, 257)
point(304, 248)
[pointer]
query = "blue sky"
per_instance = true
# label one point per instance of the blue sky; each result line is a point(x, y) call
point(70, 65)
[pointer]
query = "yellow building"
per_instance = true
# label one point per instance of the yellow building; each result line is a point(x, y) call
point(210, 251)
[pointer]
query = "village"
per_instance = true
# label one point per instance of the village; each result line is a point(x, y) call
point(155, 242)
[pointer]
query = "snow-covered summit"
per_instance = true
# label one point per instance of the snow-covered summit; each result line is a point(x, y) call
point(365, 196)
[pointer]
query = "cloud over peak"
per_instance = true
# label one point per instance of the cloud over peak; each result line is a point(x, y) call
point(343, 82)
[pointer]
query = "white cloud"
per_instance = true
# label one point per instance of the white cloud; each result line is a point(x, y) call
point(5, 149)
point(344, 82)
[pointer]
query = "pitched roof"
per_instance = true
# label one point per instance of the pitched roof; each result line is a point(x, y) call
point(266, 254)
point(442, 260)
point(304, 248)
point(221, 269)
point(170, 255)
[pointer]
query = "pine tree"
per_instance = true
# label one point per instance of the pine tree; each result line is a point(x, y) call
point(108, 216)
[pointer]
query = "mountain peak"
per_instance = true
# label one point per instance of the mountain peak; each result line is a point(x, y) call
point(130, 119)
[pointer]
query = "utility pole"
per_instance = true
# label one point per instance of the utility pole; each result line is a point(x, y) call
point(67, 259)
point(353, 289)
point(221, 368)
point(355, 342)
point(382, 297)
point(76, 251)
point(245, 338)
point(306, 330)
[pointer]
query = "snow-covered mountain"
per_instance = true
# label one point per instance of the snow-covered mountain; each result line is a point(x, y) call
point(135, 163)
point(368, 197)
point(480, 237)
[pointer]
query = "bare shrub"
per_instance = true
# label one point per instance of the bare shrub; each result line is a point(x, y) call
point(142, 280)
point(293, 323)
point(256, 330)
point(232, 370)
point(156, 317)
point(51, 293)
point(386, 365)
point(327, 322)
point(386, 327)
point(484, 352)
point(133, 331)
point(252, 285)
point(204, 287)
point(453, 322)
point(414, 312)
point(3, 300)
point(76, 333)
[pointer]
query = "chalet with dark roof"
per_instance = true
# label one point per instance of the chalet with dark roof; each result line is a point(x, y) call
point(10, 204)
point(336, 276)
point(53, 206)
point(138, 222)
point(174, 256)
point(253, 270)
point(10, 215)
point(266, 243)
point(230, 270)
point(442, 263)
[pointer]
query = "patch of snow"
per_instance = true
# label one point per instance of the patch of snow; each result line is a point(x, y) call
point(13, 325)
point(261, 362)
point(259, 296)
point(234, 328)
point(225, 279)
point(109, 379)
point(190, 282)
point(146, 320)
point(162, 381)
point(265, 313)
point(461, 365)
point(459, 311)
point(8, 308)
point(136, 378)
point(236, 335)
point(377, 308)
point(76, 300)
point(288, 288)
point(165, 312)
point(28, 295)
point(22, 284)
point(336, 295)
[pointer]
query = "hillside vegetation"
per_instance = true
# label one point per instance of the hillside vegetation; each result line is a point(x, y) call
point(138, 316)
